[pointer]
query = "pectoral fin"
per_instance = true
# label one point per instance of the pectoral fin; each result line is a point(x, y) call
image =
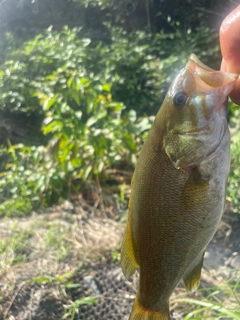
point(193, 275)
point(128, 259)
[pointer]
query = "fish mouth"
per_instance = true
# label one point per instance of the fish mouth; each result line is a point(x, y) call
point(203, 79)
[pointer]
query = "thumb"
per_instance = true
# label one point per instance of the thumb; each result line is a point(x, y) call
point(230, 48)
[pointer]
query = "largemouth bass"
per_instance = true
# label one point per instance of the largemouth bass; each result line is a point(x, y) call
point(178, 188)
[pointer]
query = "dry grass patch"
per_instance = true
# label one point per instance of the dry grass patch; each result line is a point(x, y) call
point(53, 244)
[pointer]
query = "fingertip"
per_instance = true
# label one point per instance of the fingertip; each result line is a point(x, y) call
point(230, 39)
point(230, 47)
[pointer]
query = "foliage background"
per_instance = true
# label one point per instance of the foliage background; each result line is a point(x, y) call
point(80, 83)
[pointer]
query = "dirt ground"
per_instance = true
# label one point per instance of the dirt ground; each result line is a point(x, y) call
point(72, 251)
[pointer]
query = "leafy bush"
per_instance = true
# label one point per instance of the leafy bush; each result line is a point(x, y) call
point(80, 146)
point(139, 67)
point(60, 78)
point(90, 98)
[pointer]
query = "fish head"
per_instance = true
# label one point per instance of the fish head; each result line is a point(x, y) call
point(193, 113)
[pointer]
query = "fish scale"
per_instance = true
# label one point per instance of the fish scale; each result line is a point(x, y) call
point(178, 190)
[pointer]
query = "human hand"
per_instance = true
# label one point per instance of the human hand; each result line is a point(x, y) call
point(230, 47)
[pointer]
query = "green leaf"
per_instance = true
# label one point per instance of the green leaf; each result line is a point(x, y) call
point(72, 285)
point(106, 87)
point(86, 42)
point(42, 279)
point(213, 306)
point(132, 115)
point(87, 172)
point(78, 114)
point(76, 97)
point(54, 126)
point(100, 167)
point(91, 121)
point(49, 102)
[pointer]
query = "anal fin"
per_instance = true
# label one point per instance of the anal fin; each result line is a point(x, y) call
point(192, 276)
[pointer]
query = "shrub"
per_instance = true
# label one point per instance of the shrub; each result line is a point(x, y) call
point(80, 146)
point(91, 100)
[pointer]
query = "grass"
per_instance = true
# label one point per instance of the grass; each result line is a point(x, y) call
point(217, 302)
point(44, 250)
point(72, 309)
point(56, 239)
point(15, 248)
point(62, 283)
point(17, 207)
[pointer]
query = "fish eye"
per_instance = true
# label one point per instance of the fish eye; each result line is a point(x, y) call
point(180, 98)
